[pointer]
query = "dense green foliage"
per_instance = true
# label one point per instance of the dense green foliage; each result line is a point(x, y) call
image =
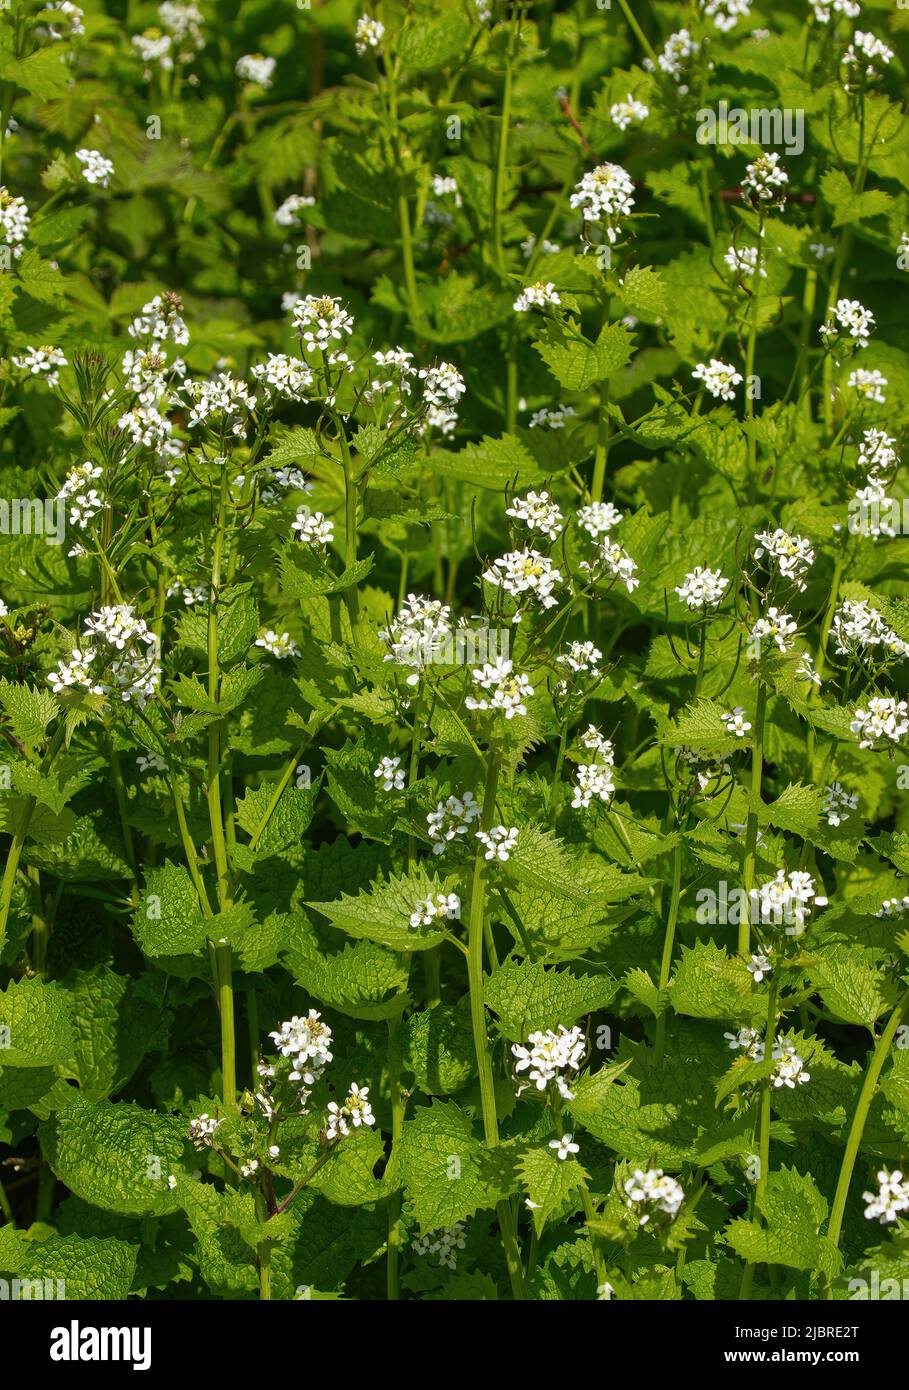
point(453, 582)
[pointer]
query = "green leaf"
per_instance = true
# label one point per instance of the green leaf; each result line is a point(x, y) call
point(549, 1182)
point(526, 996)
point(116, 1156)
point(91, 1269)
point(382, 912)
point(793, 1210)
point(29, 710)
point(577, 363)
point(709, 984)
point(363, 980)
point(36, 1024)
point(440, 1049)
point(448, 1174)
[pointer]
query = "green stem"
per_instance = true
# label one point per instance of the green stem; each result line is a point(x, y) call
point(668, 944)
point(751, 824)
point(19, 835)
point(857, 1128)
point(507, 1225)
point(393, 1258)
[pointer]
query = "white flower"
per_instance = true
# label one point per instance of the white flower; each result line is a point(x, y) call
point(146, 425)
point(821, 250)
point(858, 628)
point(891, 1199)
point(451, 819)
point(554, 419)
point(249, 1168)
point(154, 47)
point(744, 262)
point(525, 572)
point(85, 502)
point(564, 1147)
point(42, 361)
point(805, 670)
point(676, 51)
point(652, 1192)
point(581, 659)
point(313, 528)
point(443, 387)
point(547, 1055)
point(184, 22)
point(736, 723)
point(793, 554)
point(390, 774)
point(537, 512)
point(320, 321)
point(765, 182)
point(429, 910)
point(893, 907)
point(598, 518)
point(355, 1111)
point(614, 558)
point(286, 214)
point(886, 718)
point(509, 688)
point(869, 384)
point(593, 780)
point(95, 167)
point(596, 743)
point(160, 319)
point(77, 671)
point(838, 803)
point(790, 1067)
point(69, 14)
point(537, 296)
point(778, 626)
point(823, 9)
point(307, 1042)
point(222, 400)
point(279, 644)
point(150, 762)
point(605, 195)
point(702, 588)
point(14, 220)
point(759, 966)
point(877, 452)
point(498, 841)
point(726, 13)
point(443, 1243)
point(789, 899)
point(852, 316)
point(253, 67)
point(622, 113)
point(719, 378)
point(368, 33)
point(284, 376)
point(605, 1292)
point(421, 633)
point(202, 1130)
point(866, 53)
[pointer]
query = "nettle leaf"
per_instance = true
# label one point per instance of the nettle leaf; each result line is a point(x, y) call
point(382, 912)
point(117, 1022)
point(797, 809)
point(849, 207)
point(448, 1174)
point(36, 1024)
point(91, 1269)
point(550, 1183)
point(295, 448)
point(29, 709)
point(710, 984)
point(793, 1210)
point(577, 363)
point(168, 920)
point(275, 822)
point(304, 574)
point(115, 1155)
point(235, 688)
point(643, 291)
point(440, 1049)
point(363, 980)
point(849, 981)
point(493, 463)
point(527, 995)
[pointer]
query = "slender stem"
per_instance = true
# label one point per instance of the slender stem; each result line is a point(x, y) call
point(763, 1129)
point(751, 824)
point(393, 1260)
point(866, 1095)
point(14, 855)
point(669, 943)
point(603, 444)
point(507, 1224)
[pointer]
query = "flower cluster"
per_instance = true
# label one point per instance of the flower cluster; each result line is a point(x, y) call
point(652, 1194)
point(549, 1058)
